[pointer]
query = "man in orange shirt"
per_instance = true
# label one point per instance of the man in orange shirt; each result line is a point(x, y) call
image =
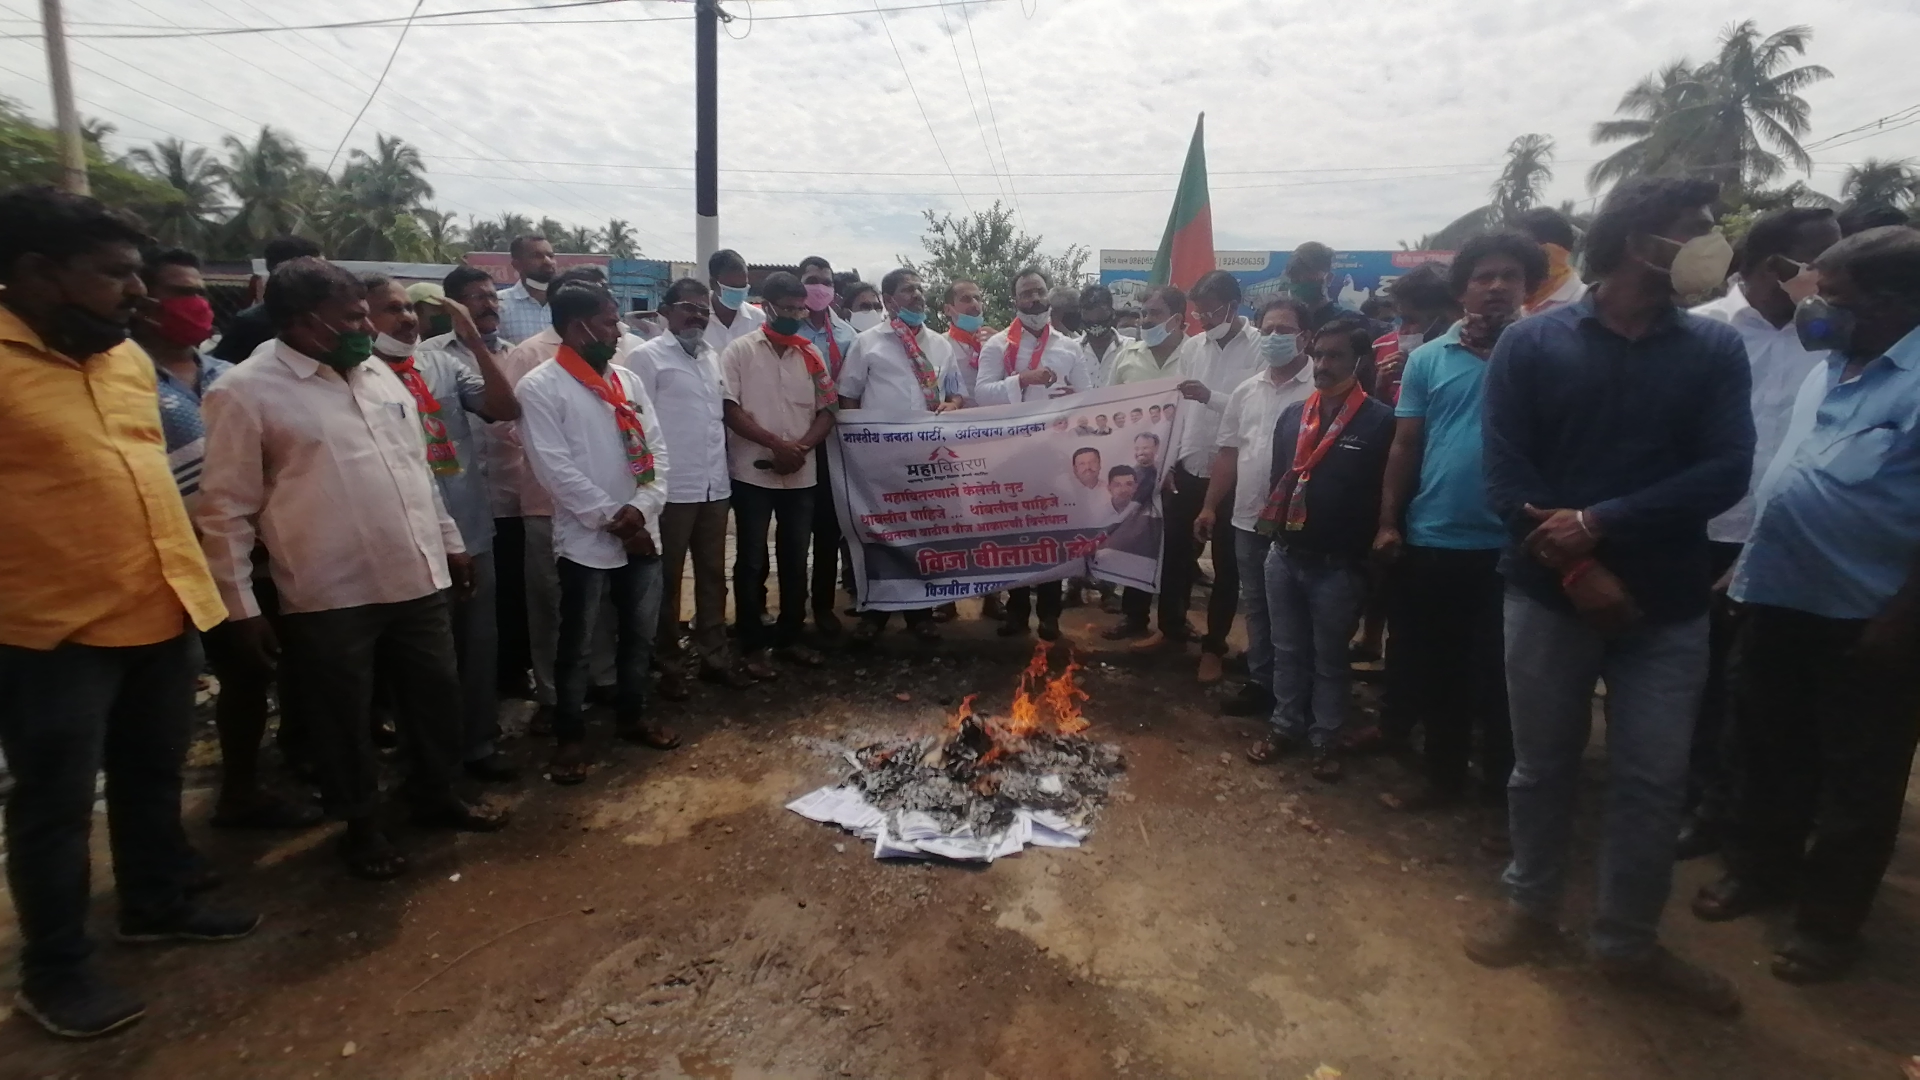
point(101, 585)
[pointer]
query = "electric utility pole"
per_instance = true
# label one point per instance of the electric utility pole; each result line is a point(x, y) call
point(706, 155)
point(73, 152)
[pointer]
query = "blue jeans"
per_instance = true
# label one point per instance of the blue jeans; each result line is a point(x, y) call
point(636, 589)
point(1313, 603)
point(1250, 552)
point(1654, 675)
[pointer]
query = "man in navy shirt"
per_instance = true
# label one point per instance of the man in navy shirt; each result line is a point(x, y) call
point(1615, 428)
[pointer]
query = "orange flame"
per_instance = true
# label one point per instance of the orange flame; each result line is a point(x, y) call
point(1041, 702)
point(963, 713)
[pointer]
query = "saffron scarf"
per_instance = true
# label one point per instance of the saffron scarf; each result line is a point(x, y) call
point(824, 394)
point(1014, 333)
point(609, 390)
point(923, 372)
point(970, 344)
point(1286, 509)
point(1559, 269)
point(442, 458)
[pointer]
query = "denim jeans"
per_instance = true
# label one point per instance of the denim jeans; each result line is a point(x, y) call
point(543, 614)
point(1654, 674)
point(66, 713)
point(754, 512)
point(635, 589)
point(1313, 602)
point(1250, 554)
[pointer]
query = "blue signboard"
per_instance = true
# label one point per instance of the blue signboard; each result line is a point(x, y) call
point(1357, 275)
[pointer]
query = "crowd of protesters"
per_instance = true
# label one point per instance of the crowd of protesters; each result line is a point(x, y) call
point(1534, 475)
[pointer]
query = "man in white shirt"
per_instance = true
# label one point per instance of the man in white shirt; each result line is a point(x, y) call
point(1243, 470)
point(1775, 274)
point(895, 371)
point(1154, 355)
point(1211, 364)
point(1554, 233)
point(1031, 361)
point(965, 307)
point(458, 379)
point(317, 453)
point(523, 306)
point(1101, 341)
point(593, 441)
point(681, 375)
point(779, 409)
point(733, 318)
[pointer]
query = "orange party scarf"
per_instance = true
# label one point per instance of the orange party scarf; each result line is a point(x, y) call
point(1286, 508)
point(972, 343)
point(609, 390)
point(824, 394)
point(442, 458)
point(1014, 334)
point(1559, 269)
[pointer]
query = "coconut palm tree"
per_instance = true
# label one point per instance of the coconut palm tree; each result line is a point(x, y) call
point(1878, 181)
point(440, 235)
point(192, 172)
point(272, 184)
point(619, 240)
point(584, 240)
point(1523, 179)
point(379, 189)
point(1737, 119)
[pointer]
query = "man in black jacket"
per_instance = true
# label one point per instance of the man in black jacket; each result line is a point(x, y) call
point(1329, 455)
point(250, 327)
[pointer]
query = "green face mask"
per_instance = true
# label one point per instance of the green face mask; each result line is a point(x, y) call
point(783, 325)
point(598, 353)
point(350, 349)
point(1308, 292)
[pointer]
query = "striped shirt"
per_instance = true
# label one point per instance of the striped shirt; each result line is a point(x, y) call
point(521, 316)
point(180, 421)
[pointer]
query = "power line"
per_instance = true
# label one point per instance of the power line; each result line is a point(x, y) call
point(967, 85)
point(377, 84)
point(986, 91)
point(923, 109)
point(1898, 114)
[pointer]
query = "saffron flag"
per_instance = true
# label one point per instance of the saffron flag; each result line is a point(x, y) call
point(1186, 251)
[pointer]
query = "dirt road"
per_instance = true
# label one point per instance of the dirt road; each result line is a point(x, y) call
point(669, 919)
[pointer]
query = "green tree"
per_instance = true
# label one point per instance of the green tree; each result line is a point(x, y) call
point(377, 192)
point(1737, 119)
point(1524, 178)
point(194, 221)
point(273, 186)
point(619, 240)
point(986, 247)
point(440, 237)
point(584, 240)
point(1879, 181)
point(30, 154)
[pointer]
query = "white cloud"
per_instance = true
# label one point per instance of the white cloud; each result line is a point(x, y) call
point(1414, 100)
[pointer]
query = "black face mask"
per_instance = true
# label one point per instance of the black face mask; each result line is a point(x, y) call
point(80, 333)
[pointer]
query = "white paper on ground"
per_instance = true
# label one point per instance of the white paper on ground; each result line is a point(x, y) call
point(916, 835)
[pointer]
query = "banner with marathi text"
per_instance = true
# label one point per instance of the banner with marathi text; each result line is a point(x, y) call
point(938, 507)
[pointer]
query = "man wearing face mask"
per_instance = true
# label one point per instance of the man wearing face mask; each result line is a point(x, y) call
point(864, 308)
point(896, 370)
point(1616, 427)
point(1776, 273)
point(523, 305)
point(593, 441)
point(447, 387)
point(1101, 341)
point(1554, 233)
point(1442, 541)
point(1211, 365)
point(101, 583)
point(1826, 687)
point(1425, 308)
point(965, 307)
point(682, 378)
point(733, 318)
point(1031, 361)
point(318, 453)
point(1154, 356)
point(833, 340)
point(1242, 470)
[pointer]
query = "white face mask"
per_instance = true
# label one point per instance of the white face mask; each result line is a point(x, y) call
point(690, 340)
point(388, 345)
point(866, 320)
point(1219, 334)
point(1410, 341)
point(1802, 285)
point(1700, 266)
point(1036, 320)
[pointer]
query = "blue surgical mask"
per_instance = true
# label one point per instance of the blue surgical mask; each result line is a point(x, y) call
point(1279, 350)
point(733, 298)
point(911, 317)
point(1823, 326)
point(1155, 335)
point(970, 323)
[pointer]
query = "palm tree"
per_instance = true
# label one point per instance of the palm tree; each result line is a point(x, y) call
point(1737, 119)
point(439, 234)
point(93, 132)
point(379, 190)
point(485, 235)
point(584, 240)
point(1529, 167)
point(1881, 182)
point(192, 172)
point(271, 182)
point(619, 240)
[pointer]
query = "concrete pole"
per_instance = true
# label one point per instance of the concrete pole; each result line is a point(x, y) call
point(706, 156)
point(73, 152)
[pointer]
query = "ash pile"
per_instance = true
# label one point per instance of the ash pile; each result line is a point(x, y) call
point(986, 786)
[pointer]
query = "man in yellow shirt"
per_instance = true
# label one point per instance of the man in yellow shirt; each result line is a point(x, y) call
point(101, 585)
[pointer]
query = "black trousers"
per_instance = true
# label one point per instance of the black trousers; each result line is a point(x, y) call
point(1021, 602)
point(240, 712)
point(635, 589)
point(1826, 743)
point(829, 551)
point(335, 653)
point(65, 714)
point(510, 605)
point(1182, 505)
point(789, 513)
point(1449, 668)
point(1713, 761)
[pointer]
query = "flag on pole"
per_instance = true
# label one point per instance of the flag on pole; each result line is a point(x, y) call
point(1186, 251)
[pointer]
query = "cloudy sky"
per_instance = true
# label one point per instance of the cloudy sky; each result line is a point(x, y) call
point(1358, 122)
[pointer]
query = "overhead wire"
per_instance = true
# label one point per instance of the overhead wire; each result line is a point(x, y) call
point(931, 134)
point(986, 91)
point(377, 84)
point(967, 85)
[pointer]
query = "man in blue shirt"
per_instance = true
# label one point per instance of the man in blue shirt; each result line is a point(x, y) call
point(523, 306)
point(1436, 526)
point(1615, 428)
point(1827, 665)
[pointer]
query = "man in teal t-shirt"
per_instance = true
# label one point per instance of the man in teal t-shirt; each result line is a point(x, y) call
point(1443, 538)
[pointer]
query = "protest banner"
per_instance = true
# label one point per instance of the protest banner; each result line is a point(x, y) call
point(941, 506)
point(1357, 275)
